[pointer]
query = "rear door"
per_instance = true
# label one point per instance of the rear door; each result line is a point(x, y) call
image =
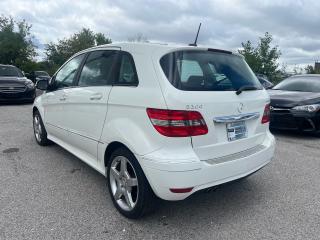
point(206, 81)
point(87, 103)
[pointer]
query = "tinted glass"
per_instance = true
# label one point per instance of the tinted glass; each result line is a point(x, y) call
point(98, 69)
point(265, 83)
point(127, 74)
point(301, 84)
point(10, 71)
point(65, 77)
point(40, 73)
point(207, 71)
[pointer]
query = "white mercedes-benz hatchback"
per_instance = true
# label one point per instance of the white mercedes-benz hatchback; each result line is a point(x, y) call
point(157, 120)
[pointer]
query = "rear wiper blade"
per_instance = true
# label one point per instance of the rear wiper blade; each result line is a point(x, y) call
point(246, 88)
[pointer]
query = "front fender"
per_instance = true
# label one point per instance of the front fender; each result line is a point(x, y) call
point(39, 105)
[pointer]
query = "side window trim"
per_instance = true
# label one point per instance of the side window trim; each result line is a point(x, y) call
point(76, 80)
point(119, 61)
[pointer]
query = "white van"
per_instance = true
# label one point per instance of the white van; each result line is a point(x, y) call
point(157, 120)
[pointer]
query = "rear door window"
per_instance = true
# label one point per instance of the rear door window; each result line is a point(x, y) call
point(98, 69)
point(193, 70)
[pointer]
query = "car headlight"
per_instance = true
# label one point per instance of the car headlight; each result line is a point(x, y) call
point(308, 108)
point(29, 84)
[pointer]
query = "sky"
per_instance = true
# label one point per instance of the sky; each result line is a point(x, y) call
point(294, 24)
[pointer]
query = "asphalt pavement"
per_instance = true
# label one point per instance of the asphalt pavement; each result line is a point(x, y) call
point(47, 193)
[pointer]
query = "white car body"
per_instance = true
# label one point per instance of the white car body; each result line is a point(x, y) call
point(88, 121)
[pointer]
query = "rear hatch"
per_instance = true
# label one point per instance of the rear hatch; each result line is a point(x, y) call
point(207, 81)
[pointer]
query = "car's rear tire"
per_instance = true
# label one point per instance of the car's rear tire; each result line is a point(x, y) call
point(39, 130)
point(129, 189)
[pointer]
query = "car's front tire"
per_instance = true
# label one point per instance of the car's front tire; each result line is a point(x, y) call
point(129, 189)
point(39, 130)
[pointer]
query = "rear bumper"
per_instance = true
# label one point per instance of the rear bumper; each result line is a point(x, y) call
point(204, 174)
point(303, 121)
point(26, 96)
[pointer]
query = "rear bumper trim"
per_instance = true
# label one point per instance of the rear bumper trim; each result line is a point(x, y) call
point(237, 155)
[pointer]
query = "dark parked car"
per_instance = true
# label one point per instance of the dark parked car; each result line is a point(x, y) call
point(39, 75)
point(295, 103)
point(14, 86)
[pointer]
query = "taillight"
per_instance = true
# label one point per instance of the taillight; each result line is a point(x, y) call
point(177, 123)
point(266, 114)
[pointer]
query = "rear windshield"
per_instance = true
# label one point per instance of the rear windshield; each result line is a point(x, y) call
point(10, 71)
point(300, 84)
point(207, 71)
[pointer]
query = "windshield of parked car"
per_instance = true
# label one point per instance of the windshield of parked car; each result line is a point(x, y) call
point(10, 71)
point(194, 70)
point(40, 74)
point(301, 84)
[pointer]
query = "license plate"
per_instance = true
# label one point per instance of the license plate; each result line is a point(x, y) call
point(236, 130)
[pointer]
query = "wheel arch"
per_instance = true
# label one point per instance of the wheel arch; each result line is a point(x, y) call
point(34, 109)
point(111, 148)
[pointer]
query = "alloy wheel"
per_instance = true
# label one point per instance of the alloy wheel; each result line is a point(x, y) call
point(124, 183)
point(37, 127)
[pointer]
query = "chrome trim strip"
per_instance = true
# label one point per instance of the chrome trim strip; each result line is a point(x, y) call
point(279, 109)
point(236, 156)
point(235, 118)
point(81, 135)
point(76, 133)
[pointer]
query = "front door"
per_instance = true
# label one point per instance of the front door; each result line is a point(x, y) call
point(56, 97)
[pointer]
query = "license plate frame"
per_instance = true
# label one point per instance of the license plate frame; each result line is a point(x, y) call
point(236, 130)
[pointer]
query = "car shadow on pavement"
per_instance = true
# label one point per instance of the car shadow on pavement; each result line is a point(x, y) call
point(217, 205)
point(15, 103)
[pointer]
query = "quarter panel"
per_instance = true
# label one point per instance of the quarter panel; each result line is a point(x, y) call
point(127, 120)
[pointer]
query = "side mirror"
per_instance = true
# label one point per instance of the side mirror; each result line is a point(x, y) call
point(42, 84)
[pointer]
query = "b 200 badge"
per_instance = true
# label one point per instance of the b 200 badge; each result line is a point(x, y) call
point(193, 106)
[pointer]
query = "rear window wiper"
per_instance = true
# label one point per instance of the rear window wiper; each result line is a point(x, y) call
point(246, 88)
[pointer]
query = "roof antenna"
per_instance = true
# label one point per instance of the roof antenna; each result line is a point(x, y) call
point(195, 41)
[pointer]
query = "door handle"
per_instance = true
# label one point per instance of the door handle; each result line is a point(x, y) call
point(63, 97)
point(96, 96)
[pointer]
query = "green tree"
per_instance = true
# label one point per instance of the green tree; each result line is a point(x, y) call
point(58, 53)
point(262, 58)
point(16, 45)
point(311, 70)
point(101, 39)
